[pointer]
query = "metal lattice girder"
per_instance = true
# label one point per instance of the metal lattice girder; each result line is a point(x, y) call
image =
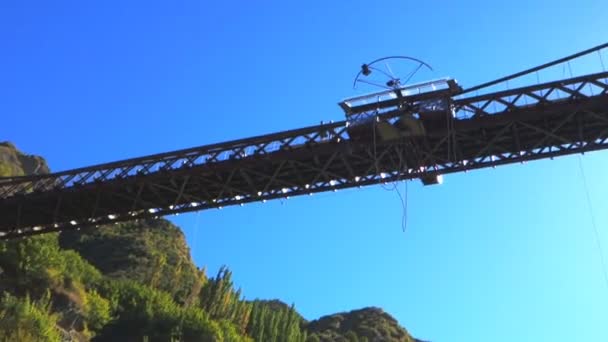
point(522, 124)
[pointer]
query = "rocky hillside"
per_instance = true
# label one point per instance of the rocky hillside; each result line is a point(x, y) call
point(368, 324)
point(14, 163)
point(136, 281)
point(152, 252)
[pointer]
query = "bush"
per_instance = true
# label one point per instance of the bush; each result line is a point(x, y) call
point(35, 262)
point(197, 326)
point(78, 269)
point(97, 311)
point(23, 320)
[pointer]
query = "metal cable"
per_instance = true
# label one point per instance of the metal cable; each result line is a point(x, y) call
point(571, 75)
point(540, 67)
point(537, 83)
point(599, 52)
point(595, 230)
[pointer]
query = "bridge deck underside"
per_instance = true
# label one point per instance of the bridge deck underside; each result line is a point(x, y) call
point(518, 134)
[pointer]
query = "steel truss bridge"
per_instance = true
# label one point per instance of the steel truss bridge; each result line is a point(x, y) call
point(527, 123)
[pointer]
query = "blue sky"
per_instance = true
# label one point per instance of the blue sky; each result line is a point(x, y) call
point(491, 255)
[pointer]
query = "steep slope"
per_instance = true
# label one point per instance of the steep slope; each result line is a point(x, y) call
point(14, 163)
point(151, 252)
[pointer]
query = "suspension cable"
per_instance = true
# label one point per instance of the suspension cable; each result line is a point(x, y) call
point(594, 226)
point(531, 70)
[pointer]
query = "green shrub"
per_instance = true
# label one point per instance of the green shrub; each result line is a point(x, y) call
point(23, 320)
point(97, 311)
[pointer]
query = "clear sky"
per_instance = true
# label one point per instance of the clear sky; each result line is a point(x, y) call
point(492, 255)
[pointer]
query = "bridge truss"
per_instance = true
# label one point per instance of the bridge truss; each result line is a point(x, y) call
point(528, 123)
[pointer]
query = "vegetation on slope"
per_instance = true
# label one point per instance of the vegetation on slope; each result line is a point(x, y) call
point(15, 163)
point(152, 252)
point(365, 325)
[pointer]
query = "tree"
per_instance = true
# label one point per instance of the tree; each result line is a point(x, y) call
point(23, 320)
point(97, 311)
point(313, 338)
point(36, 263)
point(351, 336)
point(196, 326)
point(141, 311)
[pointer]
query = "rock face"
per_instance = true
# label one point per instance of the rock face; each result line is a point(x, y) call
point(15, 163)
point(368, 324)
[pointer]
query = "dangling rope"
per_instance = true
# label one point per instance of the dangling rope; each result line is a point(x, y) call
point(402, 198)
point(403, 204)
point(196, 222)
point(394, 187)
point(374, 144)
point(374, 139)
point(595, 230)
point(449, 133)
